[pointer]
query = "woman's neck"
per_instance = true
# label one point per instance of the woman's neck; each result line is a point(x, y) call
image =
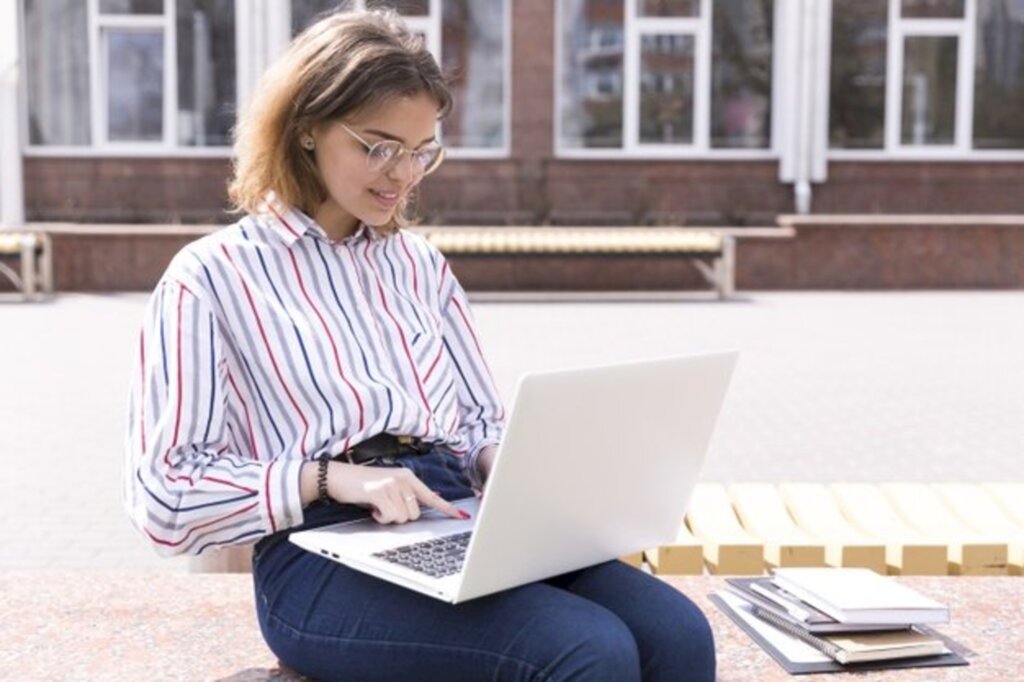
point(336, 223)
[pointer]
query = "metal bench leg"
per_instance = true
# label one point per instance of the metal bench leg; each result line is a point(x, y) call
point(28, 267)
point(725, 268)
point(46, 262)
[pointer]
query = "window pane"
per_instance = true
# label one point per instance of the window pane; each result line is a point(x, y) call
point(999, 76)
point(591, 109)
point(409, 8)
point(741, 74)
point(306, 12)
point(857, 97)
point(929, 90)
point(668, 8)
point(947, 9)
point(666, 89)
point(472, 47)
point(131, 6)
point(206, 72)
point(57, 83)
point(135, 74)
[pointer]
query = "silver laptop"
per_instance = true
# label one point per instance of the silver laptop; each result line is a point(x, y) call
point(596, 463)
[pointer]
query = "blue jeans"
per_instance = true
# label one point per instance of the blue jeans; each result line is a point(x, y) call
point(607, 622)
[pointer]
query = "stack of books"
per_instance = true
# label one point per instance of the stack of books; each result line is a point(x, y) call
point(835, 619)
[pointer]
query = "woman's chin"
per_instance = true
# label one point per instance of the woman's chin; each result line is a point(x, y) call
point(377, 218)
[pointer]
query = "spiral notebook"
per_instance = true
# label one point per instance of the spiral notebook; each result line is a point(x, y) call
point(799, 657)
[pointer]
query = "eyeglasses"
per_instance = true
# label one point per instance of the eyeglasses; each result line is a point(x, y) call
point(382, 156)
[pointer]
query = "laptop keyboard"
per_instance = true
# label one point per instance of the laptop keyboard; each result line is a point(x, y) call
point(437, 558)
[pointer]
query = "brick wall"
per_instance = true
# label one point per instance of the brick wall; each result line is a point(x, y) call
point(924, 255)
point(532, 187)
point(125, 190)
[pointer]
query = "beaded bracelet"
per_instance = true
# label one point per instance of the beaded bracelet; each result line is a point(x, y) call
point(321, 481)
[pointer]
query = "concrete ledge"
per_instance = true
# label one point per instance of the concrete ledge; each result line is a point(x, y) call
point(143, 626)
point(898, 219)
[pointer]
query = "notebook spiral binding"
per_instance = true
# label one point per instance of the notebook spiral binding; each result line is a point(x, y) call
point(824, 646)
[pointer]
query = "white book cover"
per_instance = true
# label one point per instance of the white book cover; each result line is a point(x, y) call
point(852, 595)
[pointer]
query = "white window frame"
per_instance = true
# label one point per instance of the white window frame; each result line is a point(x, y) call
point(162, 24)
point(634, 28)
point(100, 146)
point(962, 149)
point(430, 26)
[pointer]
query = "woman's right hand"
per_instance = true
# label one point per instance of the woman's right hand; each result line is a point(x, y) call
point(394, 494)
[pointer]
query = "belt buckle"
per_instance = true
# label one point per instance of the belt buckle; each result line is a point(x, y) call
point(406, 440)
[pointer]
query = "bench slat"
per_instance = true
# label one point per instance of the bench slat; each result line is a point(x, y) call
point(815, 510)
point(908, 551)
point(969, 552)
point(683, 556)
point(764, 515)
point(1010, 498)
point(973, 505)
point(636, 559)
point(728, 548)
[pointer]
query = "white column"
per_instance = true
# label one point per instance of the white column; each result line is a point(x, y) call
point(12, 195)
point(263, 31)
point(803, 38)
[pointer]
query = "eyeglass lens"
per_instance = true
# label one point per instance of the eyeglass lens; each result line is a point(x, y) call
point(385, 155)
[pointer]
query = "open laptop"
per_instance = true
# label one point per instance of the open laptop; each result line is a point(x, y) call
point(596, 463)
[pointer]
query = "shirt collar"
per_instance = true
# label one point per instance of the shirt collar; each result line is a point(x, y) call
point(291, 224)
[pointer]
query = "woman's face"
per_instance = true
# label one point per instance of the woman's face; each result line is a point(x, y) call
point(354, 192)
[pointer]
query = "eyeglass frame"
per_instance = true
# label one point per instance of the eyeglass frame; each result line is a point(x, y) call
point(403, 151)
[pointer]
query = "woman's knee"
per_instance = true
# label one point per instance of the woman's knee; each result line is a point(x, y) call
point(600, 647)
point(679, 643)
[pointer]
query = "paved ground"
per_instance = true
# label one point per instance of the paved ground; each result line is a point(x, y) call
point(830, 386)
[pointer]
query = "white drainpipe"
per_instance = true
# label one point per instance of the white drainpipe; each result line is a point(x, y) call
point(802, 192)
point(12, 195)
point(802, 81)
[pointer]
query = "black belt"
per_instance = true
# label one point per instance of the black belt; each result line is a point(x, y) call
point(383, 446)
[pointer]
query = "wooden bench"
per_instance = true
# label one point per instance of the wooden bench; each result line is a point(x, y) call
point(904, 529)
point(48, 235)
point(711, 250)
point(32, 251)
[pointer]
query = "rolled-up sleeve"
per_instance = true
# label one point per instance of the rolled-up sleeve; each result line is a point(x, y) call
point(481, 412)
point(189, 482)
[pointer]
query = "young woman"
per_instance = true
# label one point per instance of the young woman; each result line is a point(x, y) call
point(314, 362)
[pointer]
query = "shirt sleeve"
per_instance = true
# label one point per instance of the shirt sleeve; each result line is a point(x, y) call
point(481, 412)
point(186, 486)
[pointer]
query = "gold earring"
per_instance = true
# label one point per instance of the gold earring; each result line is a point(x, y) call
point(308, 143)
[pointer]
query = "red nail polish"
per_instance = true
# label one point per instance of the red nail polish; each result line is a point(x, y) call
point(464, 515)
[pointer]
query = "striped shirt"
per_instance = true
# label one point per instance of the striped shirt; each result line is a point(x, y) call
point(266, 345)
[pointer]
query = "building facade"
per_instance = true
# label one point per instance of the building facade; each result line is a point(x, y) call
point(638, 112)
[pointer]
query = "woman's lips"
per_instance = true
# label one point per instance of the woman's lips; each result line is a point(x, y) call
point(386, 200)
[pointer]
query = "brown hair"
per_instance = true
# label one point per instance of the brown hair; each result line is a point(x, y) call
point(345, 63)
